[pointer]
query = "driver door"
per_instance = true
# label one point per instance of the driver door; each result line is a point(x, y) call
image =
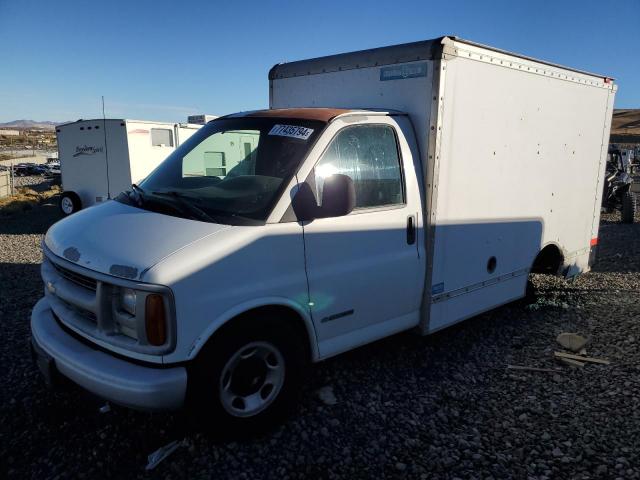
point(364, 270)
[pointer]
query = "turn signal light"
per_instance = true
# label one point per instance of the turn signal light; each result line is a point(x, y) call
point(155, 320)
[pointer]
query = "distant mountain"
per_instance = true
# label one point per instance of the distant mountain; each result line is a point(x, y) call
point(30, 125)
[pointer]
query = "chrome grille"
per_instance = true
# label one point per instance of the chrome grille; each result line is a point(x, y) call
point(78, 279)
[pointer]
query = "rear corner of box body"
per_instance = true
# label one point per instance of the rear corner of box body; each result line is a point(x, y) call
point(606, 131)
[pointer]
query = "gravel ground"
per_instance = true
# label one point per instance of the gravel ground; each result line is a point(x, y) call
point(442, 406)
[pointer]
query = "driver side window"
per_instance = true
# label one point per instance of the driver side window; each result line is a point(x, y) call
point(368, 154)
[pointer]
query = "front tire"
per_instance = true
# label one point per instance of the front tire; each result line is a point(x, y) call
point(69, 203)
point(628, 207)
point(246, 380)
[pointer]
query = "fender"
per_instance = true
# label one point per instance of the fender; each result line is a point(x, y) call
point(232, 313)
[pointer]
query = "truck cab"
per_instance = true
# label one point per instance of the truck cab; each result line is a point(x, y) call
point(150, 306)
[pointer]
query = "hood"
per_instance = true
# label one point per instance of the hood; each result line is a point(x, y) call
point(121, 240)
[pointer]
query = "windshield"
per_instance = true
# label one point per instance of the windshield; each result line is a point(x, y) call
point(232, 170)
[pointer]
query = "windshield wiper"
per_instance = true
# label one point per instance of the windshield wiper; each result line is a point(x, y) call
point(140, 193)
point(187, 206)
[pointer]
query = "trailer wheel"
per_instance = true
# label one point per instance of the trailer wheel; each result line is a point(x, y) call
point(69, 203)
point(246, 380)
point(628, 207)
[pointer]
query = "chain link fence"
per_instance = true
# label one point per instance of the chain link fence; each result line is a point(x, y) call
point(6, 183)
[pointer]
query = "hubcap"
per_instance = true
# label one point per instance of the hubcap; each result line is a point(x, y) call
point(67, 205)
point(251, 379)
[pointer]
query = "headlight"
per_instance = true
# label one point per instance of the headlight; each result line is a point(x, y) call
point(149, 324)
point(128, 299)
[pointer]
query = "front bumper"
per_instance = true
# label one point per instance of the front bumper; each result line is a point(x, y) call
point(109, 377)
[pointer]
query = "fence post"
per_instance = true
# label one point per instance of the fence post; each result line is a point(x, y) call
point(13, 192)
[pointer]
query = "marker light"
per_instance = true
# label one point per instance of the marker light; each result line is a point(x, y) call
point(155, 320)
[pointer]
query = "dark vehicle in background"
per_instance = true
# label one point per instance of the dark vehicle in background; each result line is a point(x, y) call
point(27, 169)
point(619, 189)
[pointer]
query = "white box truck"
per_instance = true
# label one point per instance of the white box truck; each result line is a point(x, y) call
point(406, 187)
point(101, 158)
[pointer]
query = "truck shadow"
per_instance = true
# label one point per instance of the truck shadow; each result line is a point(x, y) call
point(17, 282)
point(36, 219)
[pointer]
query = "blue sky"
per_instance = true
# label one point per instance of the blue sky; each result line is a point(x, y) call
point(161, 60)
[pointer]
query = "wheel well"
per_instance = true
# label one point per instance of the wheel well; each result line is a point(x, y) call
point(548, 261)
point(280, 315)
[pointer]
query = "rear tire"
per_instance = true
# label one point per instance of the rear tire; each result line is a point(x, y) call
point(246, 380)
point(69, 203)
point(628, 207)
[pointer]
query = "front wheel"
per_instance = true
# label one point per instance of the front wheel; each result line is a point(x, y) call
point(628, 207)
point(246, 380)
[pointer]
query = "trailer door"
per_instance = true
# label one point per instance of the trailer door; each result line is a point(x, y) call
point(88, 163)
point(364, 269)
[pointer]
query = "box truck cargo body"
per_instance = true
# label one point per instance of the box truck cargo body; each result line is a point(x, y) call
point(405, 187)
point(103, 157)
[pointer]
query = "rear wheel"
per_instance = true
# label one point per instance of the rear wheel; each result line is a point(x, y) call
point(246, 380)
point(70, 203)
point(628, 207)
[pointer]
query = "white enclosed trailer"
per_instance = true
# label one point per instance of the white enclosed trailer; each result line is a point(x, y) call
point(101, 158)
point(512, 157)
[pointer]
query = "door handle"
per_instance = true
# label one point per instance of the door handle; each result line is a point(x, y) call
point(411, 230)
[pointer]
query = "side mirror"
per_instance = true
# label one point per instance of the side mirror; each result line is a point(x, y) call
point(338, 199)
point(338, 196)
point(304, 203)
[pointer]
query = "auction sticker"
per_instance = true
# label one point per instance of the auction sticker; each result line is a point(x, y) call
point(292, 131)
